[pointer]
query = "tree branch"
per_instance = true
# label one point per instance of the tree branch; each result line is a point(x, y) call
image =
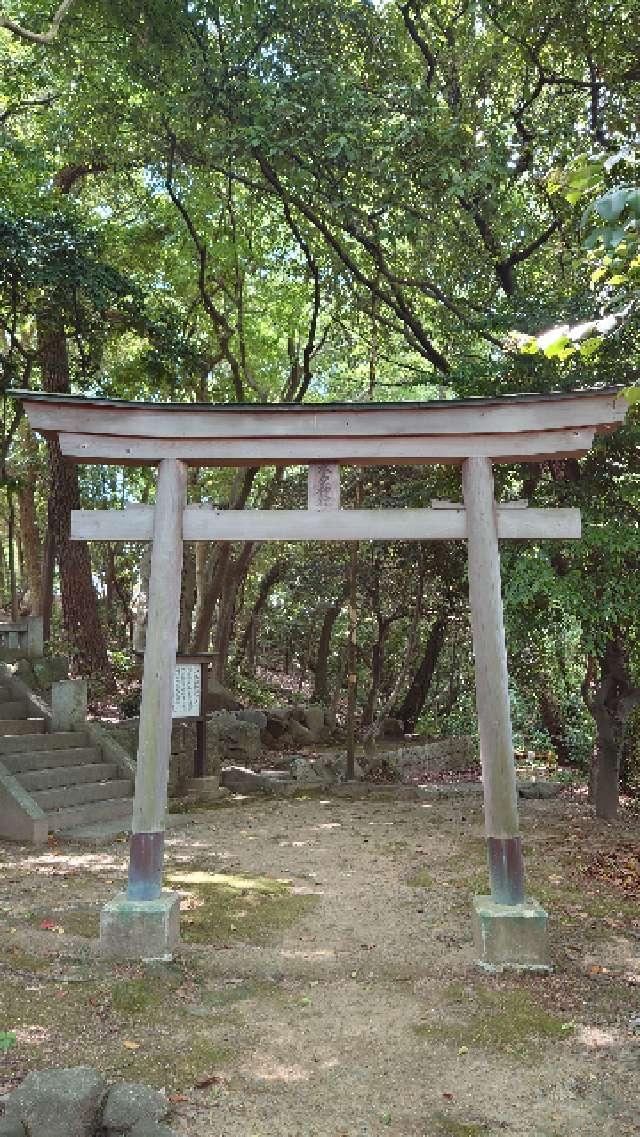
point(37, 37)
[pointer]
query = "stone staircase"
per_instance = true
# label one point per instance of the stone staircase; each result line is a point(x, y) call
point(59, 780)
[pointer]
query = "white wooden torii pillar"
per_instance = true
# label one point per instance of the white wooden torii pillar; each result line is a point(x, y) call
point(473, 433)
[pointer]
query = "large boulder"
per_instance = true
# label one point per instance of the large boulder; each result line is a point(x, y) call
point(304, 771)
point(238, 741)
point(426, 759)
point(240, 780)
point(538, 789)
point(277, 719)
point(130, 1102)
point(323, 770)
point(253, 714)
point(58, 1102)
point(219, 698)
point(333, 767)
point(300, 734)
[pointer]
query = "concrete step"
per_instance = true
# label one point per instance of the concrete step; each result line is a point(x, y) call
point(48, 779)
point(22, 726)
point(12, 709)
point(92, 812)
point(21, 763)
point(87, 792)
point(60, 740)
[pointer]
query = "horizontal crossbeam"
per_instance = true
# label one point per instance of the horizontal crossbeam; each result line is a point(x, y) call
point(205, 524)
point(349, 450)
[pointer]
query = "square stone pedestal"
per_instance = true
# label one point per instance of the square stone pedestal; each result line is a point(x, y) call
point(510, 935)
point(140, 929)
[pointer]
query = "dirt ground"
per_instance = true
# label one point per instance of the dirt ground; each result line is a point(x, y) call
point(326, 986)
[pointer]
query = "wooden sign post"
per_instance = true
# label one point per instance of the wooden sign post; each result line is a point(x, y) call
point(472, 433)
point(190, 701)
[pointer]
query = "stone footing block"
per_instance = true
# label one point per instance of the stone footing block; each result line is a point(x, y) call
point(140, 929)
point(512, 936)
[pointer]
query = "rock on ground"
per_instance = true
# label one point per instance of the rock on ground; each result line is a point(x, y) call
point(130, 1102)
point(59, 1102)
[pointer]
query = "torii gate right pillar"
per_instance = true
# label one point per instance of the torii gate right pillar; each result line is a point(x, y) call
point(509, 930)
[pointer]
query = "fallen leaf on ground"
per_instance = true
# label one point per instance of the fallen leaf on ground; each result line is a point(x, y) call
point(202, 1083)
point(131, 1045)
point(51, 926)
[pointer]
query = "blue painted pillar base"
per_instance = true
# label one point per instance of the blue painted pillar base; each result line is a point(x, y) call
point(506, 869)
point(146, 861)
point(140, 929)
point(510, 936)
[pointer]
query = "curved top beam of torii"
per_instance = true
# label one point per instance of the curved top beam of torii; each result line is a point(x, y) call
point(507, 428)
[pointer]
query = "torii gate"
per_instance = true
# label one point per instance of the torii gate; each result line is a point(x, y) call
point(510, 930)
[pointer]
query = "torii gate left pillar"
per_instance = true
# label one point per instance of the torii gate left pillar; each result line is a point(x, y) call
point(144, 922)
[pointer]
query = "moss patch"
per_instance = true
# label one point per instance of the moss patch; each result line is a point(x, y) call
point(450, 1127)
point(219, 907)
point(133, 996)
point(421, 879)
point(508, 1022)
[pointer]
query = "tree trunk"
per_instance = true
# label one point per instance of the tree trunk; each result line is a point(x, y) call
point(31, 541)
point(230, 584)
point(187, 596)
point(321, 665)
point(48, 567)
point(551, 716)
point(269, 580)
point(377, 658)
point(610, 698)
point(13, 592)
point(79, 600)
point(409, 709)
point(140, 601)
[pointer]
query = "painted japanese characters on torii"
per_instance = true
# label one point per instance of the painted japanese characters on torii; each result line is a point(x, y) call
point(472, 433)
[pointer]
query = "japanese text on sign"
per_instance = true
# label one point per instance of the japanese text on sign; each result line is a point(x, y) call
point(186, 690)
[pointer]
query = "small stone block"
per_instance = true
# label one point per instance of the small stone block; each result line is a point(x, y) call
point(68, 703)
point(510, 936)
point(140, 929)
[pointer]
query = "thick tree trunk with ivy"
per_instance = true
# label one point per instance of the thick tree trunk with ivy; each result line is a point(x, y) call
point(79, 600)
point(611, 696)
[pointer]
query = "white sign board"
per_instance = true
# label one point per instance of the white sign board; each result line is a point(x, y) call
point(187, 679)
